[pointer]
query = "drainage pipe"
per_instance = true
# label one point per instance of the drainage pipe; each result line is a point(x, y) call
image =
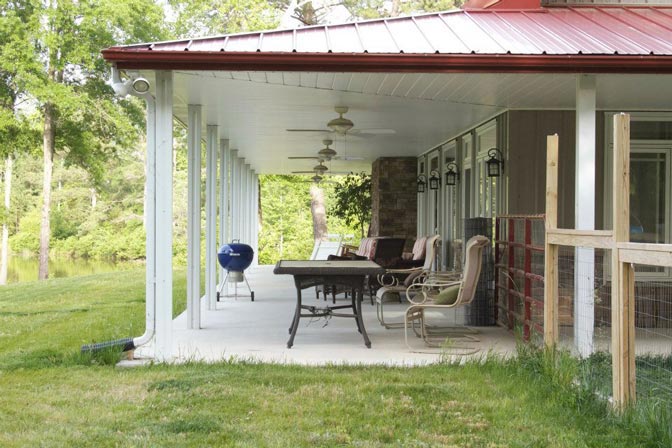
point(140, 87)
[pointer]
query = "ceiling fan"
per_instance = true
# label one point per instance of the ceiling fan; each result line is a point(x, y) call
point(320, 170)
point(317, 179)
point(327, 154)
point(342, 125)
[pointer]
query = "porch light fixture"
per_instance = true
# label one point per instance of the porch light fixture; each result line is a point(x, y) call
point(140, 85)
point(452, 175)
point(495, 165)
point(422, 183)
point(434, 180)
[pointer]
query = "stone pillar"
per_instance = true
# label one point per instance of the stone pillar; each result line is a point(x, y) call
point(393, 197)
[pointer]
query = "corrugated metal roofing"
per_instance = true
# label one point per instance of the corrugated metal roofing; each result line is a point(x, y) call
point(545, 31)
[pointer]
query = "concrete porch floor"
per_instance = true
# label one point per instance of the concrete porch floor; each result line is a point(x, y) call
point(258, 331)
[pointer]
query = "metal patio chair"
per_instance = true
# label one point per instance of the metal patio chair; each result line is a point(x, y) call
point(443, 291)
point(396, 281)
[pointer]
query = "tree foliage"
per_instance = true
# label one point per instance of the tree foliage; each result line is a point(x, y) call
point(197, 18)
point(353, 200)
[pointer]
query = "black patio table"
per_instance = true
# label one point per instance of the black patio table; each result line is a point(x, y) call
point(350, 274)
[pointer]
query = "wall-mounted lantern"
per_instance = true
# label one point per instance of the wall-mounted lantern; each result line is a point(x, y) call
point(422, 183)
point(495, 164)
point(434, 180)
point(452, 175)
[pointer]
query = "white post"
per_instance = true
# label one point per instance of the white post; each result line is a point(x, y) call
point(235, 198)
point(584, 213)
point(194, 217)
point(224, 162)
point(255, 217)
point(212, 149)
point(248, 203)
point(244, 202)
point(163, 215)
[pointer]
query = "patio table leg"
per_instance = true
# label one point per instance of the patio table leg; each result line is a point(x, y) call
point(354, 309)
point(358, 314)
point(297, 317)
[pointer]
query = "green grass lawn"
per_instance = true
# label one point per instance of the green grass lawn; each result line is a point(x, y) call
point(52, 396)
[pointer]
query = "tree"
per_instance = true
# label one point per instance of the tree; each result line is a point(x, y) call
point(80, 116)
point(318, 212)
point(373, 9)
point(209, 17)
point(16, 133)
point(353, 200)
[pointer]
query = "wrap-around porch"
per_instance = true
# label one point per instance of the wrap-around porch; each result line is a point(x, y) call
point(447, 104)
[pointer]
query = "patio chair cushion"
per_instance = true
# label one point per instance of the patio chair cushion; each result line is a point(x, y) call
point(448, 296)
point(419, 248)
point(418, 252)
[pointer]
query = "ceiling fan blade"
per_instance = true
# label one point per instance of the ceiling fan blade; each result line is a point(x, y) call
point(308, 130)
point(303, 172)
point(373, 131)
point(299, 158)
point(348, 158)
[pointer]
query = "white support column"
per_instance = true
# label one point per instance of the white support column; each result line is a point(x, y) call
point(584, 213)
point(224, 176)
point(194, 217)
point(212, 148)
point(248, 203)
point(240, 193)
point(255, 217)
point(163, 225)
point(235, 188)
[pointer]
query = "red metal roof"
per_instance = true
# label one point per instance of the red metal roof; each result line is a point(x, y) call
point(542, 39)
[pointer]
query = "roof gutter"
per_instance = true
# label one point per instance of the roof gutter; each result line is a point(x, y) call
point(367, 62)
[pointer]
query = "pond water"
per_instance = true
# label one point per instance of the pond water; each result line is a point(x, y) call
point(22, 269)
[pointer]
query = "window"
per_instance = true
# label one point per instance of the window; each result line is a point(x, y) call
point(650, 183)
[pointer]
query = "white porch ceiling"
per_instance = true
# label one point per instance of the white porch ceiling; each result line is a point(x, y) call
point(254, 109)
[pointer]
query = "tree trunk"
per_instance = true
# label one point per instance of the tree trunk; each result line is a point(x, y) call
point(319, 213)
point(48, 142)
point(4, 257)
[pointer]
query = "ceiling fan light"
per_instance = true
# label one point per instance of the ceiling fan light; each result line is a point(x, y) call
point(326, 153)
point(320, 168)
point(340, 125)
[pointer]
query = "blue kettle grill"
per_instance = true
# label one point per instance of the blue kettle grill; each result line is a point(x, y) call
point(235, 257)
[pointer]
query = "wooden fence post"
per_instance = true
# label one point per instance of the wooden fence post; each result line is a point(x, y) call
point(622, 274)
point(551, 259)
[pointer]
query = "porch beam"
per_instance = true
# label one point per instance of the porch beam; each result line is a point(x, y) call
point(163, 225)
point(194, 216)
point(212, 148)
point(584, 212)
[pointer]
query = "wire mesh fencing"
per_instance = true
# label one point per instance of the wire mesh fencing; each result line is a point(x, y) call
point(584, 306)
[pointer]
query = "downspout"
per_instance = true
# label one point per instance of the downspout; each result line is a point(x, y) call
point(139, 87)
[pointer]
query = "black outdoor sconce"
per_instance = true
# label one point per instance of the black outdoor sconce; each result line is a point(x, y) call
point(434, 180)
point(452, 175)
point(495, 165)
point(422, 183)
